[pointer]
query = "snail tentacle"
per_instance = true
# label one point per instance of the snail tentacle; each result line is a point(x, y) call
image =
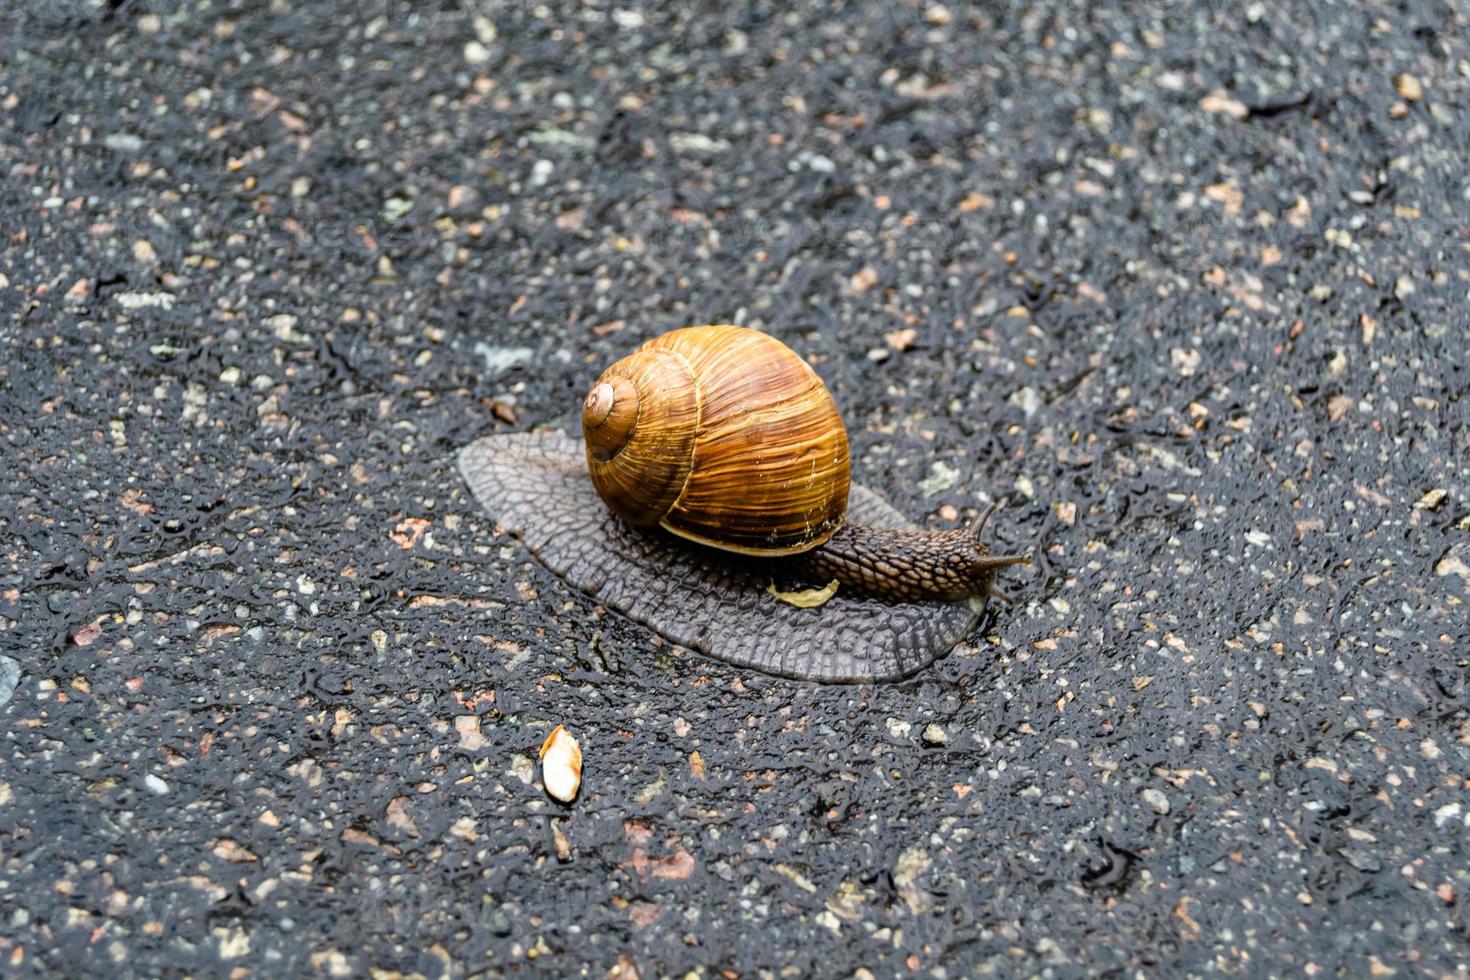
point(978, 528)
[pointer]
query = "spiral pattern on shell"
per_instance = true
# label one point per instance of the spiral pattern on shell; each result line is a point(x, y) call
point(722, 435)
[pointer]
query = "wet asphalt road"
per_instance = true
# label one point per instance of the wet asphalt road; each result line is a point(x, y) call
point(1183, 285)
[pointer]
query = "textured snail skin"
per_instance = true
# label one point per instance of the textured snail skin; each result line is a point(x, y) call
point(905, 565)
point(536, 485)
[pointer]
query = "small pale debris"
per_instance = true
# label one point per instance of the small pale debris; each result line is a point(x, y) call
point(230, 850)
point(1378, 968)
point(683, 143)
point(283, 325)
point(570, 220)
point(1156, 800)
point(1232, 198)
point(468, 728)
point(155, 784)
point(9, 678)
point(1027, 400)
point(464, 829)
point(974, 201)
point(643, 915)
point(1452, 564)
point(901, 340)
point(408, 532)
point(815, 162)
point(1258, 538)
point(396, 207)
point(476, 53)
point(498, 359)
point(1369, 328)
point(562, 844)
point(912, 865)
point(1186, 361)
point(399, 817)
point(144, 301)
point(800, 880)
point(1408, 87)
point(934, 735)
point(899, 728)
point(651, 792)
point(561, 765)
point(1188, 928)
point(1299, 213)
point(941, 477)
point(805, 598)
point(1224, 104)
point(523, 767)
point(1432, 499)
point(462, 195)
point(863, 280)
point(234, 942)
point(123, 142)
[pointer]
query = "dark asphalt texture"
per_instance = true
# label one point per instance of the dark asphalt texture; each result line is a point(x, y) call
point(1183, 285)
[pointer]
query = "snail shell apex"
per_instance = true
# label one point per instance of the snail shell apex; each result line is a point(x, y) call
point(723, 436)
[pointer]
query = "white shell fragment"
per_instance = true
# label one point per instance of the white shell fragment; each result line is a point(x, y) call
point(561, 765)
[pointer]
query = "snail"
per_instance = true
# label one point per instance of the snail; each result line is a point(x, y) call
point(714, 466)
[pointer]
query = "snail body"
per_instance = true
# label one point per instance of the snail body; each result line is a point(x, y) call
point(718, 467)
point(724, 436)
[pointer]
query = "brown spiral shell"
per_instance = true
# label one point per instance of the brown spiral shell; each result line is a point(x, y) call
point(722, 435)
